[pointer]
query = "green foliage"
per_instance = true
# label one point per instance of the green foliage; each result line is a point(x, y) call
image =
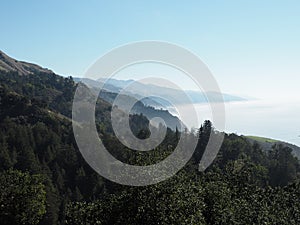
point(234, 190)
point(176, 201)
point(244, 185)
point(22, 198)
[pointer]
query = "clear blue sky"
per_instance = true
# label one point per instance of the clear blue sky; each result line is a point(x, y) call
point(252, 47)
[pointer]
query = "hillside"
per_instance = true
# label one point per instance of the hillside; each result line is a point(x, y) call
point(37, 137)
point(267, 143)
point(45, 180)
point(8, 64)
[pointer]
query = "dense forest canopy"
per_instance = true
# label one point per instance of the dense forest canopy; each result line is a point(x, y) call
point(45, 180)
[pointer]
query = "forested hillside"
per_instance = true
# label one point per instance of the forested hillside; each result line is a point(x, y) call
point(45, 180)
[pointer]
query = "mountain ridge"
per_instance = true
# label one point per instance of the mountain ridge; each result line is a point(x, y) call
point(136, 87)
point(22, 68)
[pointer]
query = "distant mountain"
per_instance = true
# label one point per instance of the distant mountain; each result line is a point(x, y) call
point(117, 88)
point(175, 95)
point(22, 68)
point(96, 84)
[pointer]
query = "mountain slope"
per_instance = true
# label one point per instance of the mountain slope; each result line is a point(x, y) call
point(35, 137)
point(267, 143)
point(9, 64)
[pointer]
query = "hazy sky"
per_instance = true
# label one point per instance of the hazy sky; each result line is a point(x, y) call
point(252, 47)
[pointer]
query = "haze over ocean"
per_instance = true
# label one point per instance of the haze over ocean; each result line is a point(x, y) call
point(266, 118)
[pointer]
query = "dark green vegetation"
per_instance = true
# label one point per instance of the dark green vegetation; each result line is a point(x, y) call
point(44, 179)
point(267, 143)
point(22, 198)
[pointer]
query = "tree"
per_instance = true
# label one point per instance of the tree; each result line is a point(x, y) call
point(176, 201)
point(22, 198)
point(283, 166)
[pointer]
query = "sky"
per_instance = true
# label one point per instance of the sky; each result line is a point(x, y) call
point(251, 47)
